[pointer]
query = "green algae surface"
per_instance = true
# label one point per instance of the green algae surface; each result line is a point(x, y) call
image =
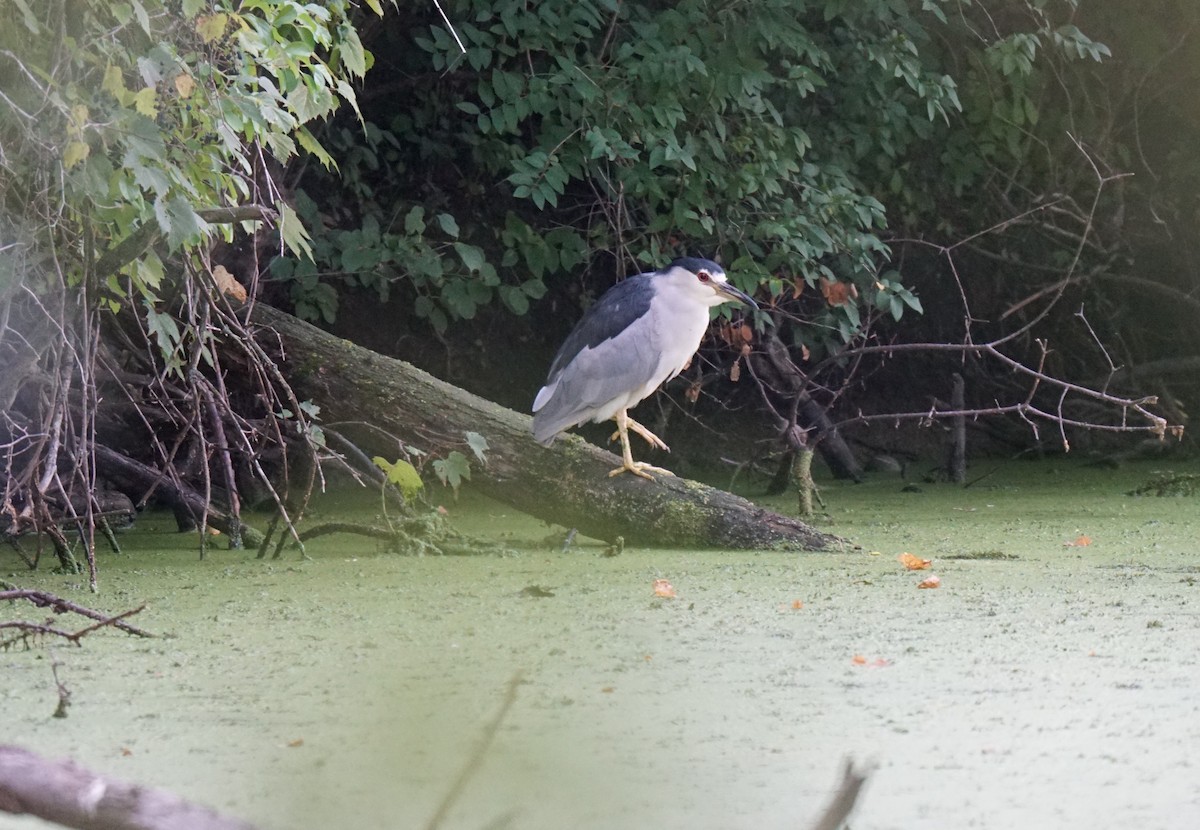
point(1045, 683)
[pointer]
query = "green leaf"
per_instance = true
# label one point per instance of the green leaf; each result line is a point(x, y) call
point(164, 330)
point(114, 83)
point(306, 140)
point(211, 27)
point(414, 221)
point(453, 470)
point(75, 152)
point(478, 445)
point(144, 102)
point(353, 55)
point(471, 256)
point(515, 299)
point(292, 232)
point(401, 474)
point(28, 17)
point(143, 19)
point(448, 224)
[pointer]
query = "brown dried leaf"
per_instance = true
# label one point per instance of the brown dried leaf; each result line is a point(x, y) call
point(227, 284)
point(837, 292)
point(914, 563)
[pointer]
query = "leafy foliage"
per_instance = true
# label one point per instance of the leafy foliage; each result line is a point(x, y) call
point(119, 115)
point(614, 136)
point(125, 124)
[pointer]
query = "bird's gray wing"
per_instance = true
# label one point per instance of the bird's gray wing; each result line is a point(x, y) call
point(605, 357)
point(615, 311)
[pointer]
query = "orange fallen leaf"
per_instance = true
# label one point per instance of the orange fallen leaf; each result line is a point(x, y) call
point(797, 605)
point(608, 690)
point(914, 563)
point(931, 582)
point(858, 660)
point(1080, 542)
point(878, 662)
point(664, 589)
point(126, 752)
point(296, 743)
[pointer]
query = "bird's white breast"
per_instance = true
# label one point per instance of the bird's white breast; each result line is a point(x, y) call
point(676, 333)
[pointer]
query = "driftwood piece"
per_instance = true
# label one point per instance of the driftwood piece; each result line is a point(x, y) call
point(65, 793)
point(566, 483)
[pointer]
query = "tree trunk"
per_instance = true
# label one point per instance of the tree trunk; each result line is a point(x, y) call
point(567, 483)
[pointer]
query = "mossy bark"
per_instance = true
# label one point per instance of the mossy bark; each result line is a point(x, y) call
point(567, 483)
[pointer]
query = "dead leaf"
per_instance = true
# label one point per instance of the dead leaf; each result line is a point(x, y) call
point(932, 582)
point(1079, 542)
point(914, 563)
point(735, 371)
point(608, 690)
point(858, 660)
point(296, 743)
point(664, 589)
point(797, 605)
point(692, 393)
point(837, 292)
point(185, 85)
point(227, 284)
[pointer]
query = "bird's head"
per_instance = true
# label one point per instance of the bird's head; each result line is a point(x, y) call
point(702, 281)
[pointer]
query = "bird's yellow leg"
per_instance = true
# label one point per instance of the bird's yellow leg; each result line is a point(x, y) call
point(651, 439)
point(638, 468)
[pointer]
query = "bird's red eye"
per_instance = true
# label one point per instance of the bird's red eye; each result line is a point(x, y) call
point(703, 276)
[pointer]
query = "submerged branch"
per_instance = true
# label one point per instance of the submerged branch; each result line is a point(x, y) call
point(44, 599)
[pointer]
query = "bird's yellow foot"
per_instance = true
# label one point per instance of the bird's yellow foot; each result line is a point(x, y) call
point(650, 438)
point(641, 469)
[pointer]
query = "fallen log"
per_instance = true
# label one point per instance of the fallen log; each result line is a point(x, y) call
point(567, 483)
point(67, 794)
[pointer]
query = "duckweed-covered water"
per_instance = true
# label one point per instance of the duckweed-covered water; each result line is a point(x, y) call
point(1041, 685)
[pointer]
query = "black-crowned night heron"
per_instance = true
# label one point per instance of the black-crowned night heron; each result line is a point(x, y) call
point(640, 333)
